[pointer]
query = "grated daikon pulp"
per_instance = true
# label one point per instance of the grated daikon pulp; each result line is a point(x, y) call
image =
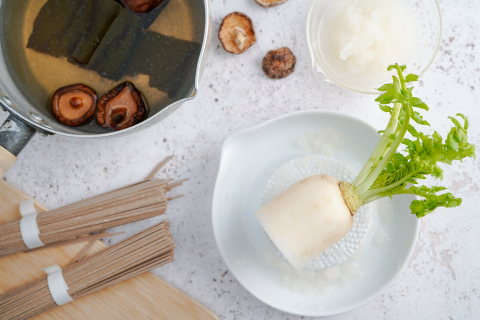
point(359, 39)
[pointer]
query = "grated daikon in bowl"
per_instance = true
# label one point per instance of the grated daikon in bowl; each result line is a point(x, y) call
point(352, 42)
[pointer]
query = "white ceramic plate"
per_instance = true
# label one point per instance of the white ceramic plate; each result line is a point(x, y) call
point(248, 159)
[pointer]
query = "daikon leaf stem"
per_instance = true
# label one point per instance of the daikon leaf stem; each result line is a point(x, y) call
point(388, 172)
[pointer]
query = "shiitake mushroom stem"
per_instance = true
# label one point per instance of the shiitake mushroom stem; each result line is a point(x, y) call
point(76, 102)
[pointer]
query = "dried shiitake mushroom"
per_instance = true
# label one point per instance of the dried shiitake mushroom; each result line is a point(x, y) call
point(279, 63)
point(121, 107)
point(142, 6)
point(73, 105)
point(236, 33)
point(270, 3)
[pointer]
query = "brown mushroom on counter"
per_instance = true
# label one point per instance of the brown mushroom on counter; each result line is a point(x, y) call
point(270, 3)
point(142, 6)
point(121, 107)
point(236, 33)
point(279, 63)
point(73, 105)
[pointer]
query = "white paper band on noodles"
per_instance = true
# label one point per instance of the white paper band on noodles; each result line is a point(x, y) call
point(28, 225)
point(57, 285)
point(27, 207)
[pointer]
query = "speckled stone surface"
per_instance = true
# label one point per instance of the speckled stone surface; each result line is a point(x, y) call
point(442, 279)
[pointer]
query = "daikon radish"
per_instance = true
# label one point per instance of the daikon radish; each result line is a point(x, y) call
point(314, 213)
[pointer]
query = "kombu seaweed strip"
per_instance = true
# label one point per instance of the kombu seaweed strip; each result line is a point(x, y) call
point(115, 51)
point(165, 59)
point(101, 13)
point(58, 27)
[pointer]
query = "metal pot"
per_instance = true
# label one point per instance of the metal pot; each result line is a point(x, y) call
point(26, 119)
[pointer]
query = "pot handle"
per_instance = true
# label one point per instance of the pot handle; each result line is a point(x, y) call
point(14, 136)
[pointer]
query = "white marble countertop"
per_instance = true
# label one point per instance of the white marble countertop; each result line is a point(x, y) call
point(442, 279)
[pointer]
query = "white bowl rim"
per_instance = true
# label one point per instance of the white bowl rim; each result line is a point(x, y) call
point(353, 306)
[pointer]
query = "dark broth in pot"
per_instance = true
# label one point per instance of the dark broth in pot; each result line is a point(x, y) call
point(180, 26)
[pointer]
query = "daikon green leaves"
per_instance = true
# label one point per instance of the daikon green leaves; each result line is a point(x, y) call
point(421, 155)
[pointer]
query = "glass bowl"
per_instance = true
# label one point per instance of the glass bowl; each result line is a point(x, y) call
point(429, 24)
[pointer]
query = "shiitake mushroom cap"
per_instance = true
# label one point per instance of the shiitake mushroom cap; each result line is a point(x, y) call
point(142, 6)
point(118, 116)
point(73, 105)
point(279, 63)
point(270, 3)
point(236, 33)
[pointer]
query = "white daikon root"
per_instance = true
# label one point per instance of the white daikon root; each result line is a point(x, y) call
point(306, 219)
